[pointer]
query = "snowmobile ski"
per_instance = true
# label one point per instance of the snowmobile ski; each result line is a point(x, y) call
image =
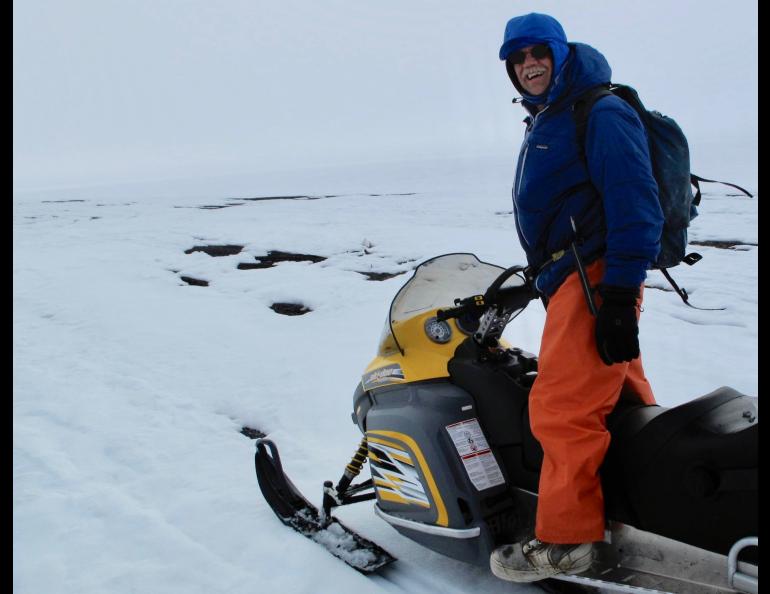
point(298, 513)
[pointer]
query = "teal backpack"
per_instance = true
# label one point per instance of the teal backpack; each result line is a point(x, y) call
point(670, 156)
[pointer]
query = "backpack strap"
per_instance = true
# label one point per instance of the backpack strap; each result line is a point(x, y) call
point(694, 179)
point(683, 294)
point(581, 109)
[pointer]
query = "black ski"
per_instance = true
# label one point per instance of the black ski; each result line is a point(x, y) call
point(298, 513)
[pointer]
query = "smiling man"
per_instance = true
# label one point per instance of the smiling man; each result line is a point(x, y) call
point(532, 67)
point(606, 187)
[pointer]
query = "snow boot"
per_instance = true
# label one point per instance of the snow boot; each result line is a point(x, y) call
point(534, 560)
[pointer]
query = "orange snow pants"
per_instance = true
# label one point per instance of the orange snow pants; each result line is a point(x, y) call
point(569, 402)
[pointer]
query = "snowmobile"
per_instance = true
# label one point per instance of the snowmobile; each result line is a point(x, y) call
point(443, 409)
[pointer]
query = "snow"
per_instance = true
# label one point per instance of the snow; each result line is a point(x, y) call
point(344, 545)
point(131, 387)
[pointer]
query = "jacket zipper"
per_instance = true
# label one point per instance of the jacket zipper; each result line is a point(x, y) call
point(524, 158)
point(526, 149)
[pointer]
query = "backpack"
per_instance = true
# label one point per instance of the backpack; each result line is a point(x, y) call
point(670, 157)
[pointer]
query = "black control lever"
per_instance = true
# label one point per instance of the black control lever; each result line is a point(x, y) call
point(476, 302)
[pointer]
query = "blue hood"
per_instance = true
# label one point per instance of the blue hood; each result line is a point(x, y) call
point(584, 68)
point(530, 29)
point(576, 66)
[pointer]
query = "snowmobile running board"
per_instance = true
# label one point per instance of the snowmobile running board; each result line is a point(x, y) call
point(638, 562)
point(298, 513)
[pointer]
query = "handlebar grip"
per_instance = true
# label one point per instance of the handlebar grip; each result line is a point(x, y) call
point(452, 312)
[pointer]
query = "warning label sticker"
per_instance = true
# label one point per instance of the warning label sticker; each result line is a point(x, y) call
point(478, 459)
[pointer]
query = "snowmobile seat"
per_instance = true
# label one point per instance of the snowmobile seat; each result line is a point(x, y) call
point(681, 471)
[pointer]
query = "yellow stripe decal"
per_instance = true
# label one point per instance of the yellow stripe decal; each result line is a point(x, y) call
point(405, 459)
point(390, 444)
point(388, 477)
point(391, 496)
point(392, 477)
point(443, 518)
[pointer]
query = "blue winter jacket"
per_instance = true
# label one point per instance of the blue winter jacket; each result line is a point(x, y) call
point(610, 191)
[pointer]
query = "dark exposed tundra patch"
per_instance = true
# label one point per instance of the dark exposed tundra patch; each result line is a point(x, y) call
point(195, 281)
point(241, 201)
point(259, 198)
point(290, 309)
point(252, 433)
point(59, 201)
point(216, 250)
point(274, 257)
point(217, 206)
point(724, 244)
point(401, 194)
point(319, 197)
point(379, 276)
point(252, 265)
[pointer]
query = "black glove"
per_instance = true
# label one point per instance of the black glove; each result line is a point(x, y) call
point(617, 330)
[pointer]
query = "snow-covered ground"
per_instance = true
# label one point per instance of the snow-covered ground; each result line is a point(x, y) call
point(131, 386)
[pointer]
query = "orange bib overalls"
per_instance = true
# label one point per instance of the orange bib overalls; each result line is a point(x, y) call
point(569, 402)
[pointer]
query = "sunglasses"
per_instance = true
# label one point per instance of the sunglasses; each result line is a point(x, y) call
point(538, 52)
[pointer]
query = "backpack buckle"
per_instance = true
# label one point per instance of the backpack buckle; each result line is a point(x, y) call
point(692, 258)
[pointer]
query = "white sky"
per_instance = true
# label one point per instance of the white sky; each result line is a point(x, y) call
point(108, 91)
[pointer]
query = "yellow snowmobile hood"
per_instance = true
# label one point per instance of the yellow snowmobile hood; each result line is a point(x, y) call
point(414, 346)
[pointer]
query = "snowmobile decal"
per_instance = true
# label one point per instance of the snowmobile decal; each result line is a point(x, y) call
point(474, 451)
point(384, 375)
point(396, 476)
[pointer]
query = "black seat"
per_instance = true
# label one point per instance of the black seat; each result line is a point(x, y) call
point(688, 472)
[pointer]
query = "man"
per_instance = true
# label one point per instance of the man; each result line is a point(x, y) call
point(609, 191)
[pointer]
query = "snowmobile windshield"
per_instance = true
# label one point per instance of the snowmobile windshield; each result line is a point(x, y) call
point(436, 283)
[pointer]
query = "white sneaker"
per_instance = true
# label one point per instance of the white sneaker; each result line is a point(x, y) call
point(534, 560)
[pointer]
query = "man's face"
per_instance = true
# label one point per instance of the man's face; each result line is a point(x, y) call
point(534, 74)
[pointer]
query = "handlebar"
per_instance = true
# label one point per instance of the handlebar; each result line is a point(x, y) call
point(493, 290)
point(508, 298)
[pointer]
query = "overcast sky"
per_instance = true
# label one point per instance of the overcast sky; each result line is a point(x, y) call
point(128, 90)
